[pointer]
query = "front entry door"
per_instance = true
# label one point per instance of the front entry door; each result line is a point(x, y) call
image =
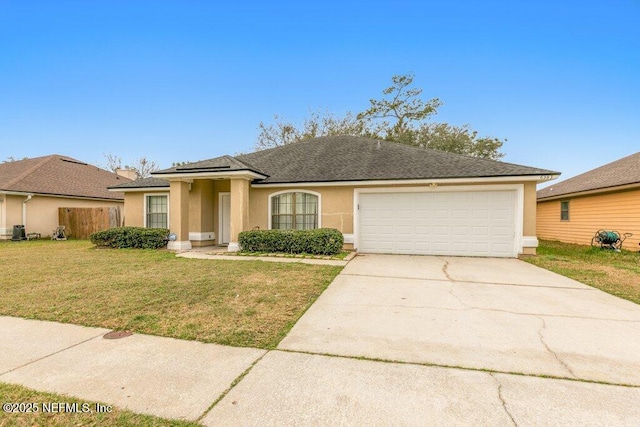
point(224, 216)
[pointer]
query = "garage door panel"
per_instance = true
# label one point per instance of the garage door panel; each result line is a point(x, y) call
point(480, 223)
point(440, 231)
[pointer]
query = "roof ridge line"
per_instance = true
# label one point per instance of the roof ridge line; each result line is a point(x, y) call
point(29, 171)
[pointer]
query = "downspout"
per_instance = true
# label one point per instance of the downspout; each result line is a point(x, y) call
point(24, 210)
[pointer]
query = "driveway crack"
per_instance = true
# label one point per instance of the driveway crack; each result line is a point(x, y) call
point(445, 269)
point(555, 355)
point(504, 403)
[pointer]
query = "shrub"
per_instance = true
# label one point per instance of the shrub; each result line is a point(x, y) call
point(322, 241)
point(131, 237)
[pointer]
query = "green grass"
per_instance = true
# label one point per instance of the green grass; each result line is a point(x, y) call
point(240, 303)
point(10, 393)
point(617, 273)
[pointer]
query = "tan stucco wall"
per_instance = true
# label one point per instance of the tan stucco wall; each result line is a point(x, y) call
point(529, 221)
point(42, 211)
point(614, 211)
point(201, 206)
point(133, 215)
point(336, 206)
point(11, 214)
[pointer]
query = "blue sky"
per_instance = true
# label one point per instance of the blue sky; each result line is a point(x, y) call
point(188, 80)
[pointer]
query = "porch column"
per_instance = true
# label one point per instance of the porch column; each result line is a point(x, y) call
point(179, 215)
point(239, 211)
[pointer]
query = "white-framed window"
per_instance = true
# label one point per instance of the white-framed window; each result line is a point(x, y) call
point(564, 211)
point(294, 210)
point(156, 210)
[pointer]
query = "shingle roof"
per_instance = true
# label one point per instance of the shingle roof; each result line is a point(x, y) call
point(621, 172)
point(350, 158)
point(218, 164)
point(59, 175)
point(144, 183)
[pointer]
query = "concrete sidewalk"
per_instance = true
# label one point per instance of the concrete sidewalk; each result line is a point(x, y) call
point(151, 375)
point(182, 379)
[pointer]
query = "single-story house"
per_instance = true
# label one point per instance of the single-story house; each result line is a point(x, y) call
point(384, 197)
point(605, 198)
point(32, 190)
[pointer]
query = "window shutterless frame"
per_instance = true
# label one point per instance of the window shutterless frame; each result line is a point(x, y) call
point(156, 210)
point(564, 210)
point(294, 210)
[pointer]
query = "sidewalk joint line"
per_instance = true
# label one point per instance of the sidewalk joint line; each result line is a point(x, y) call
point(51, 354)
point(462, 368)
point(231, 386)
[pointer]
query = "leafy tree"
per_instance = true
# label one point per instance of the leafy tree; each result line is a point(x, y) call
point(142, 166)
point(457, 139)
point(402, 105)
point(399, 116)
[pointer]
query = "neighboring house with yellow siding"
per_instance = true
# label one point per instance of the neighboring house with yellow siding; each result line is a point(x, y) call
point(605, 198)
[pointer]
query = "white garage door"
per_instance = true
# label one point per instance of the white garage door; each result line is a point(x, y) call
point(466, 223)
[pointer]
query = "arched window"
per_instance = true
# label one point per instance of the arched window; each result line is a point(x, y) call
point(294, 211)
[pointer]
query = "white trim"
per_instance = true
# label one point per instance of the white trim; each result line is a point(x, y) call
point(214, 175)
point(395, 182)
point(233, 247)
point(61, 196)
point(183, 245)
point(16, 193)
point(145, 208)
point(24, 210)
point(349, 238)
point(220, 215)
point(200, 236)
point(529, 242)
point(138, 189)
point(277, 193)
point(518, 213)
point(584, 193)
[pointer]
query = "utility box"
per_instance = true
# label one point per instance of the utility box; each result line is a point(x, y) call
point(18, 233)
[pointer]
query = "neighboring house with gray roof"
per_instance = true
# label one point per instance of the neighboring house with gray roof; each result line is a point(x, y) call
point(605, 198)
point(384, 197)
point(32, 190)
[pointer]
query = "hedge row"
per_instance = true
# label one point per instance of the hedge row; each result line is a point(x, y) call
point(131, 237)
point(322, 241)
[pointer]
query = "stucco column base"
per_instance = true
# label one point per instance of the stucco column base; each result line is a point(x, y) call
point(233, 247)
point(179, 246)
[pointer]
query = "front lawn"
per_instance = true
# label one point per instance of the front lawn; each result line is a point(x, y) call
point(241, 303)
point(53, 410)
point(617, 273)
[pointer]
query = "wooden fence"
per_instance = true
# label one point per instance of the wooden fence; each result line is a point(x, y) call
point(81, 222)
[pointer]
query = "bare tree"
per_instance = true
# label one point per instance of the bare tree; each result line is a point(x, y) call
point(142, 166)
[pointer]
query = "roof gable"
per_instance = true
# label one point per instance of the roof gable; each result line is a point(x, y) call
point(58, 175)
point(624, 171)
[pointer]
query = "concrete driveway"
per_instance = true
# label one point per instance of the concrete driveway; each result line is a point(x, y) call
point(503, 315)
point(403, 340)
